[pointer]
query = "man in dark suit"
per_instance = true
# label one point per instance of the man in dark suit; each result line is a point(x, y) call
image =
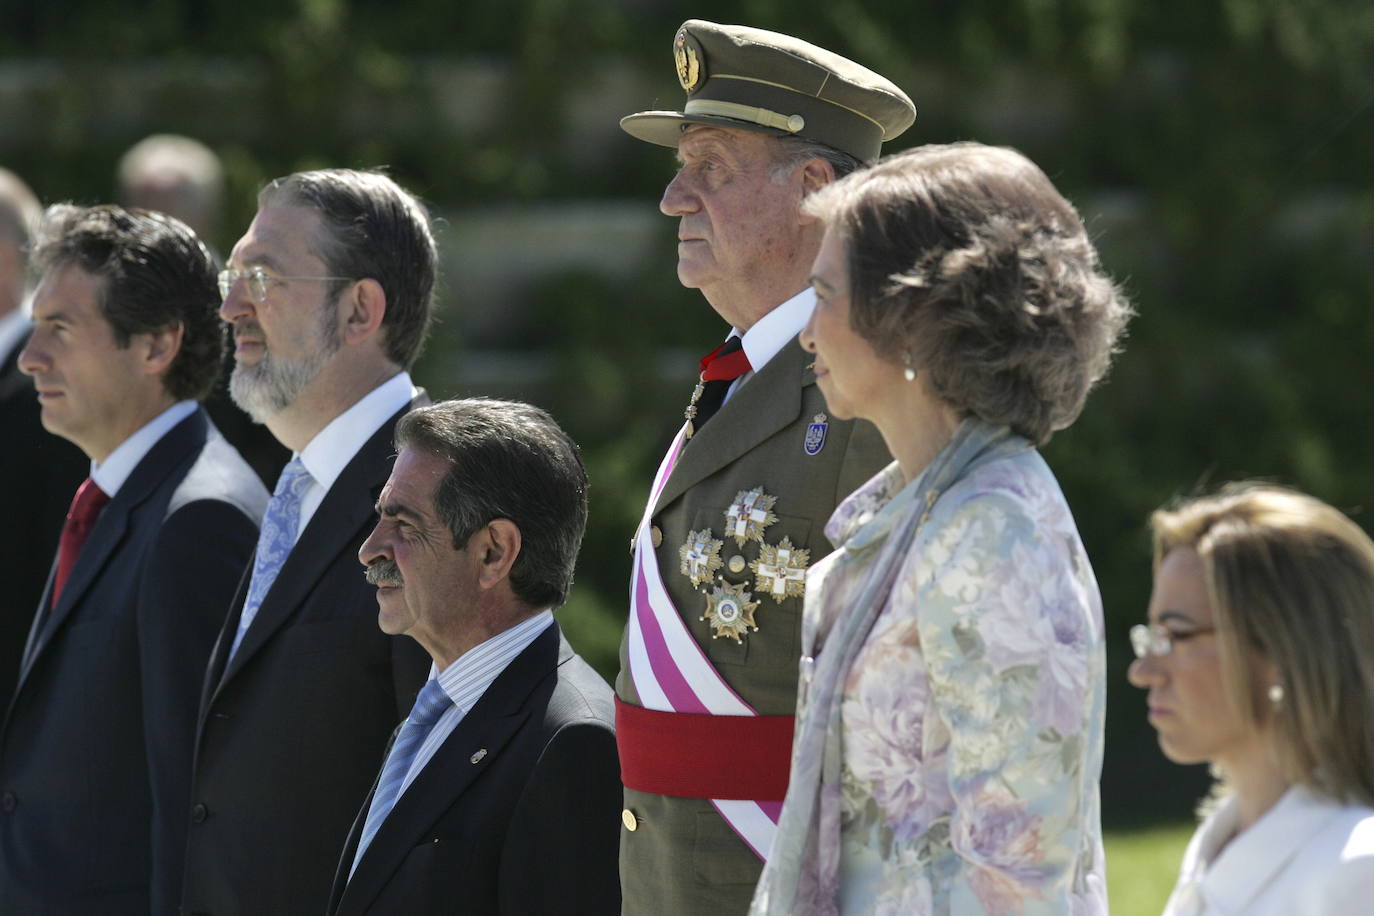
point(96, 749)
point(500, 792)
point(328, 293)
point(40, 470)
point(708, 679)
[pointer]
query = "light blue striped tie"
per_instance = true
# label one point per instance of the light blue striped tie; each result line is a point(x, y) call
point(429, 706)
point(275, 540)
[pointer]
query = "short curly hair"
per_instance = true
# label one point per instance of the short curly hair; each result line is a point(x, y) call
point(966, 260)
point(157, 275)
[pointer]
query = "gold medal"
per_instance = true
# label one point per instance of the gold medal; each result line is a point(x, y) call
point(731, 612)
point(700, 557)
point(781, 571)
point(748, 515)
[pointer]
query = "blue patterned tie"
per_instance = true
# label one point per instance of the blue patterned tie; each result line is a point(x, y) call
point(275, 540)
point(429, 706)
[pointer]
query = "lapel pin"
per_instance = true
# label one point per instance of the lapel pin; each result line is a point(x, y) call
point(815, 435)
point(477, 757)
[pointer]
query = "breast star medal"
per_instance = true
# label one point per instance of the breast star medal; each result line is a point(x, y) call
point(780, 571)
point(749, 514)
point(730, 609)
point(700, 557)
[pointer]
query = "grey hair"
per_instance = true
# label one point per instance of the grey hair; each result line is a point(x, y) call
point(793, 151)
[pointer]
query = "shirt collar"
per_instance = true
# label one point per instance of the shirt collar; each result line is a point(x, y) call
point(772, 332)
point(326, 455)
point(111, 473)
point(469, 676)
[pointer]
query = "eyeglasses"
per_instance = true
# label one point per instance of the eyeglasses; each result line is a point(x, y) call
point(1157, 640)
point(258, 281)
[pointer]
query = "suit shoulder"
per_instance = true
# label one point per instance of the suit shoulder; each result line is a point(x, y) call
point(220, 473)
point(581, 694)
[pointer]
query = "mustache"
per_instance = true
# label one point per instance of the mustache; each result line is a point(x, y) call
point(384, 572)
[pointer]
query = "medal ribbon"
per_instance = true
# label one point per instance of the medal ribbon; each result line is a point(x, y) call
point(671, 673)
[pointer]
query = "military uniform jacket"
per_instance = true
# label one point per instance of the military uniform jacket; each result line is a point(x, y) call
point(682, 858)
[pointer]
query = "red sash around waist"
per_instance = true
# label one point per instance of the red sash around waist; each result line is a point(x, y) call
point(692, 755)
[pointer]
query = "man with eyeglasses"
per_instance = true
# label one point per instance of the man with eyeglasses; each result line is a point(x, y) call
point(95, 753)
point(329, 296)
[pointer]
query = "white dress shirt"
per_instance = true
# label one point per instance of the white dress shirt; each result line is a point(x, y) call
point(1306, 856)
point(111, 473)
point(771, 333)
point(333, 447)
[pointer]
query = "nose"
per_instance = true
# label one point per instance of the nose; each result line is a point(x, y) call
point(678, 198)
point(32, 359)
point(807, 337)
point(236, 304)
point(1145, 672)
point(375, 548)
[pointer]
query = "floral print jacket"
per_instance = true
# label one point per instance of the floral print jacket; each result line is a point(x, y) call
point(972, 717)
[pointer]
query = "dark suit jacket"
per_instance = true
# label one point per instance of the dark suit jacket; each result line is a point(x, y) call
point(39, 472)
point(96, 751)
point(683, 858)
point(293, 730)
point(528, 827)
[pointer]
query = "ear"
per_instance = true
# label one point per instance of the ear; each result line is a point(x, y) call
point(498, 546)
point(162, 348)
point(814, 174)
point(362, 311)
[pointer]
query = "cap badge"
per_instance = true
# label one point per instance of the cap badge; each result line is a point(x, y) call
point(730, 609)
point(688, 63)
point(780, 571)
point(748, 515)
point(815, 435)
point(700, 557)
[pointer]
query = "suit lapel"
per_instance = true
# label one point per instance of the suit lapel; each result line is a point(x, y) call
point(333, 526)
point(179, 445)
point(489, 726)
point(765, 404)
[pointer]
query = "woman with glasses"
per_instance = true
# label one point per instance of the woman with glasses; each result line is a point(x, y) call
point(1259, 659)
point(949, 734)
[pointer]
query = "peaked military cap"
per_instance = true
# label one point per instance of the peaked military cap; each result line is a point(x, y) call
point(752, 79)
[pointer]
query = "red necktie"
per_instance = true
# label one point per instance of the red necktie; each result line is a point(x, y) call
point(719, 369)
point(86, 506)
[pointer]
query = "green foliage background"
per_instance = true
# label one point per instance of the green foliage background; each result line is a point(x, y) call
point(1219, 151)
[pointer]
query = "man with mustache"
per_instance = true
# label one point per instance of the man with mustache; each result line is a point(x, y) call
point(504, 776)
point(95, 754)
point(329, 295)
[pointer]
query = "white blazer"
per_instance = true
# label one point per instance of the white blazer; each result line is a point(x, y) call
point(1307, 856)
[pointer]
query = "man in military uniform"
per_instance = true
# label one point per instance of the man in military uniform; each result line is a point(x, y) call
point(707, 686)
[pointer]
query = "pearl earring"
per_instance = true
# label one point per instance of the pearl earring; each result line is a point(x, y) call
point(909, 373)
point(1276, 694)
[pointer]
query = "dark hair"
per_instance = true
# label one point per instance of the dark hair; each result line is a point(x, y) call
point(373, 229)
point(508, 460)
point(157, 275)
point(967, 259)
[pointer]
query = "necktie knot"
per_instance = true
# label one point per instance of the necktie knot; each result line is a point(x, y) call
point(429, 705)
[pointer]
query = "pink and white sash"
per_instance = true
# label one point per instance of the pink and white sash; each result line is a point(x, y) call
point(671, 673)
